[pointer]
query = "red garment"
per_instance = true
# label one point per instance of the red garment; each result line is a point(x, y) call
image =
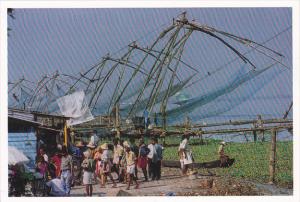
point(57, 162)
point(42, 166)
point(142, 162)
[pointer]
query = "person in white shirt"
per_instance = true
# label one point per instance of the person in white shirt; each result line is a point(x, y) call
point(55, 187)
point(44, 155)
point(150, 155)
point(186, 151)
point(94, 138)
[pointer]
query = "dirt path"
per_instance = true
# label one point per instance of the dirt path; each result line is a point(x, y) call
point(172, 184)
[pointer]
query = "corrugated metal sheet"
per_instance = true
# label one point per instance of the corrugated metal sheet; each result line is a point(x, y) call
point(25, 142)
point(23, 115)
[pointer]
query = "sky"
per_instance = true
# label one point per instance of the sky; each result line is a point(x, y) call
point(42, 41)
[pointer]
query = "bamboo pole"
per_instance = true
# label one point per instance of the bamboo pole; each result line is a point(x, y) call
point(143, 60)
point(103, 83)
point(235, 130)
point(154, 68)
point(241, 122)
point(118, 121)
point(272, 162)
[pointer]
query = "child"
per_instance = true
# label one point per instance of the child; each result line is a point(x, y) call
point(130, 168)
point(89, 166)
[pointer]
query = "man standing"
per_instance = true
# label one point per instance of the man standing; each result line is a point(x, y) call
point(94, 138)
point(142, 157)
point(157, 158)
point(117, 156)
point(66, 170)
point(187, 154)
point(130, 166)
point(135, 149)
point(150, 157)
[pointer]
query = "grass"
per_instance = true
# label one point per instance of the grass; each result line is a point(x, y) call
point(251, 160)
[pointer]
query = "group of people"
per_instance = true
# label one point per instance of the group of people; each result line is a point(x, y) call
point(99, 163)
point(122, 158)
point(56, 171)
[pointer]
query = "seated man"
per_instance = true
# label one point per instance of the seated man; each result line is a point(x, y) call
point(55, 187)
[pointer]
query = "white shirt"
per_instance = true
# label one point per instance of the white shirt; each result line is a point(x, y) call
point(188, 153)
point(94, 140)
point(151, 148)
point(106, 155)
point(184, 144)
point(57, 188)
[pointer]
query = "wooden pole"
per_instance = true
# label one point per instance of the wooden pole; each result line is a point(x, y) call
point(241, 122)
point(235, 130)
point(272, 162)
point(117, 121)
point(65, 135)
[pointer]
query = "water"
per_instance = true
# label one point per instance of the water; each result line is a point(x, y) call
point(236, 137)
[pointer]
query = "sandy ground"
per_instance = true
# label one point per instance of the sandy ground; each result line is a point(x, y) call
point(173, 184)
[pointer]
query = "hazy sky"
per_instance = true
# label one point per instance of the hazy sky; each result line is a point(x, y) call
point(72, 40)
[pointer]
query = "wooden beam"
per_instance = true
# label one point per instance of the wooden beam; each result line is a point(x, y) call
point(241, 122)
point(235, 130)
point(272, 162)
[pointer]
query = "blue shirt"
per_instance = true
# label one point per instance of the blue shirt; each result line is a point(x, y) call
point(159, 150)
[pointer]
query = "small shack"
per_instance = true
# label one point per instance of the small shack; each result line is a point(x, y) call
point(28, 131)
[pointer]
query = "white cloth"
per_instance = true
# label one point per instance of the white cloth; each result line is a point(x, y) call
point(130, 169)
point(188, 159)
point(46, 158)
point(151, 148)
point(56, 186)
point(16, 156)
point(88, 177)
point(75, 106)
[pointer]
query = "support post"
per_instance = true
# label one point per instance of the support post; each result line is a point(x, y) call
point(272, 162)
point(65, 134)
point(118, 121)
point(255, 136)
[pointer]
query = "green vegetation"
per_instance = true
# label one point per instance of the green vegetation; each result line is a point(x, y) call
point(251, 160)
